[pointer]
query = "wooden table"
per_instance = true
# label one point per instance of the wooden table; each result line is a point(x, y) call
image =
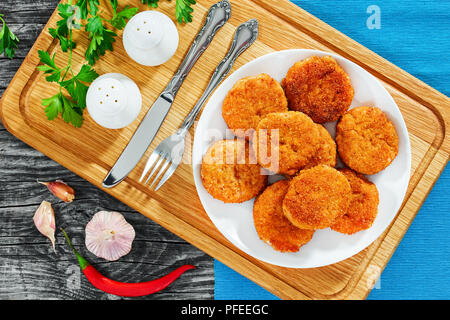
point(29, 269)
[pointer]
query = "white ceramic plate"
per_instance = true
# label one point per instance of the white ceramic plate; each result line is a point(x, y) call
point(235, 221)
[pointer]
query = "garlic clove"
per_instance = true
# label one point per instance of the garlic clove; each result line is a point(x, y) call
point(61, 190)
point(44, 220)
point(109, 235)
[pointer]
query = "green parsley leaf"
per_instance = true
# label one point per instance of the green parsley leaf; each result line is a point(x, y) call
point(68, 14)
point(45, 58)
point(8, 40)
point(60, 104)
point(93, 5)
point(54, 106)
point(71, 113)
point(95, 25)
point(118, 20)
point(84, 10)
point(76, 88)
point(83, 7)
point(64, 42)
point(151, 3)
point(77, 91)
point(71, 110)
point(102, 39)
point(87, 74)
point(183, 10)
point(49, 67)
point(114, 4)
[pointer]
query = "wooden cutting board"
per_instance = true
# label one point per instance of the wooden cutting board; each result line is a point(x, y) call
point(91, 150)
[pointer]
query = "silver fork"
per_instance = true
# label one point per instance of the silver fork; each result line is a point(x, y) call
point(169, 152)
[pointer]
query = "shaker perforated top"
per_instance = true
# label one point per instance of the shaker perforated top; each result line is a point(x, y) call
point(113, 100)
point(150, 38)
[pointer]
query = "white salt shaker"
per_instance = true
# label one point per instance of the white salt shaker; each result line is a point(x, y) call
point(150, 38)
point(113, 100)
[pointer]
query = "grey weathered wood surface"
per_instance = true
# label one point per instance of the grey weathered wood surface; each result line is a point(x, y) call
point(29, 269)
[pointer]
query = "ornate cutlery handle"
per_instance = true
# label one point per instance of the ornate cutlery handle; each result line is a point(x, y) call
point(245, 35)
point(218, 14)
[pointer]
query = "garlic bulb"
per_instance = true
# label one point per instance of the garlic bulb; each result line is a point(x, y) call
point(109, 235)
point(44, 220)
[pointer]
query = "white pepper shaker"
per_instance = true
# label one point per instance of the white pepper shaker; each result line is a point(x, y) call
point(113, 100)
point(150, 38)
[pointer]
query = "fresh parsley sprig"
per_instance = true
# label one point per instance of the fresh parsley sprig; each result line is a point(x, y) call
point(85, 14)
point(68, 14)
point(151, 3)
point(183, 9)
point(8, 40)
point(119, 17)
point(101, 37)
point(71, 109)
point(85, 11)
point(71, 106)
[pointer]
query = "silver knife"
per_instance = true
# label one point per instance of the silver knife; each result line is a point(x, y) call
point(218, 14)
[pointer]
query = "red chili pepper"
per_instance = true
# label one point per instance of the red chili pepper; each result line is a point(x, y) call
point(122, 288)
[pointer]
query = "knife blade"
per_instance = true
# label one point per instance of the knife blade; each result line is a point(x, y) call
point(218, 14)
point(140, 142)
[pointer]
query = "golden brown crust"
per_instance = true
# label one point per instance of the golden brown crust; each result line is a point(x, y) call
point(297, 139)
point(271, 224)
point(317, 197)
point(325, 150)
point(366, 139)
point(363, 207)
point(249, 100)
point(319, 87)
point(229, 171)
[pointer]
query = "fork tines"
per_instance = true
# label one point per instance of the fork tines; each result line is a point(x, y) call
point(157, 161)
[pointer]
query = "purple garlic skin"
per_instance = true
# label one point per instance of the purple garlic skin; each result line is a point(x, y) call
point(61, 190)
point(109, 235)
point(44, 220)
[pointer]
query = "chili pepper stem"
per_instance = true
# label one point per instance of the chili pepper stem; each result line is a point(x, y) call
point(44, 183)
point(82, 261)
